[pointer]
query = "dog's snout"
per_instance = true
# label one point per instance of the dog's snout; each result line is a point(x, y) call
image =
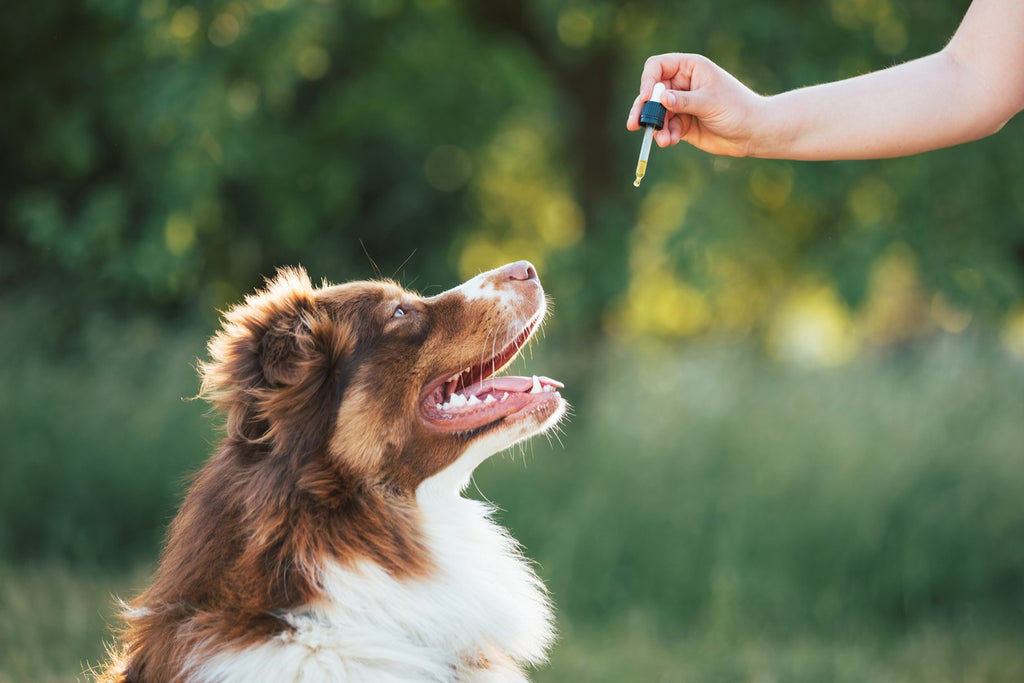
point(520, 270)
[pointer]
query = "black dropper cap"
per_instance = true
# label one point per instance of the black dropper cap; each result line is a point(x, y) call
point(653, 115)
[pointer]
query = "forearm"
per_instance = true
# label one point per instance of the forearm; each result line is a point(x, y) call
point(931, 102)
point(925, 104)
point(966, 91)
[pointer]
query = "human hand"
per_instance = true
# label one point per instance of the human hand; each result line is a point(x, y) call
point(707, 107)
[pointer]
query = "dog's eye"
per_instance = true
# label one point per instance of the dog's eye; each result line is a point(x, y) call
point(406, 320)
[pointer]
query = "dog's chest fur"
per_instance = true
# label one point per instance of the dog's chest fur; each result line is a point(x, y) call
point(482, 599)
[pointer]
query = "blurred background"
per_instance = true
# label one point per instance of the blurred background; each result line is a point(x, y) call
point(797, 448)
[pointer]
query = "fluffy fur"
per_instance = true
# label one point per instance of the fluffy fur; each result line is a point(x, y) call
point(327, 538)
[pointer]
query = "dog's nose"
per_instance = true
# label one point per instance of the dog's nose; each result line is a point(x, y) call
point(520, 270)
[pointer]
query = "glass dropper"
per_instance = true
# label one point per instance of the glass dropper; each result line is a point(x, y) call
point(652, 118)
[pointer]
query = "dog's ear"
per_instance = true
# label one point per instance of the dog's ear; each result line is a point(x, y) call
point(260, 337)
point(273, 348)
point(285, 346)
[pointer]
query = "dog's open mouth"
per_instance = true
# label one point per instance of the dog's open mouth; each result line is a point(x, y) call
point(474, 398)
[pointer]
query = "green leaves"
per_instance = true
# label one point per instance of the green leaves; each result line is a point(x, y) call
point(173, 149)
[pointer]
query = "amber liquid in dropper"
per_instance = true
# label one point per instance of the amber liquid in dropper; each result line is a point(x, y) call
point(641, 168)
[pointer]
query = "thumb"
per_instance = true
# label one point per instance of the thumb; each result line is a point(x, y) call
point(685, 102)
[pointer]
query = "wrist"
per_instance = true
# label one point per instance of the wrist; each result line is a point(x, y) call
point(773, 130)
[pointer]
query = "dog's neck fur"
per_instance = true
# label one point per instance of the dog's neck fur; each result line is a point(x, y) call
point(482, 601)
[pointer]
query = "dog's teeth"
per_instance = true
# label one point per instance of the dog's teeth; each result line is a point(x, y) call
point(458, 400)
point(536, 388)
point(504, 396)
point(490, 398)
point(440, 406)
point(473, 400)
point(454, 378)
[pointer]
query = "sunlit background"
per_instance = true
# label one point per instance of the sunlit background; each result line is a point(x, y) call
point(797, 447)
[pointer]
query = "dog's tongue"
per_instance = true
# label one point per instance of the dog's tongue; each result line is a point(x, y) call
point(511, 384)
point(488, 401)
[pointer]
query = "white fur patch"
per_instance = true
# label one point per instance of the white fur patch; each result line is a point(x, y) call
point(483, 286)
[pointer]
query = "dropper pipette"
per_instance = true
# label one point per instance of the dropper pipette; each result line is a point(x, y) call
point(652, 118)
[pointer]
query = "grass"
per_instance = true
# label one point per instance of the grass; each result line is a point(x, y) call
point(931, 653)
point(55, 620)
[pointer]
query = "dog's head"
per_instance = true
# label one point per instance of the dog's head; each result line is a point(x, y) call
point(380, 382)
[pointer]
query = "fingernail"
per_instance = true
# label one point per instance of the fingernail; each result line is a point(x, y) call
point(668, 99)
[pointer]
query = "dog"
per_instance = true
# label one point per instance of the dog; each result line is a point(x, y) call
point(327, 538)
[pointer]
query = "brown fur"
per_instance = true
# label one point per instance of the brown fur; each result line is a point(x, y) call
point(320, 459)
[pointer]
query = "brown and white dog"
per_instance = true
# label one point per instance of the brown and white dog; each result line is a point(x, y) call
point(327, 539)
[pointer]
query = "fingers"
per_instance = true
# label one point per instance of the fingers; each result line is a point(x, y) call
point(677, 106)
point(692, 102)
point(657, 68)
point(633, 119)
point(675, 71)
point(680, 105)
point(671, 134)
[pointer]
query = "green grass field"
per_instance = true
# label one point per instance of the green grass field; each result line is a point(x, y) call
point(55, 620)
point(706, 515)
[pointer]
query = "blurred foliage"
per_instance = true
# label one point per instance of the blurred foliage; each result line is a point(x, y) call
point(98, 440)
point(157, 158)
point(164, 153)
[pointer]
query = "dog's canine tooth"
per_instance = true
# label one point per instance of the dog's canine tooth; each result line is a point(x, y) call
point(536, 388)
